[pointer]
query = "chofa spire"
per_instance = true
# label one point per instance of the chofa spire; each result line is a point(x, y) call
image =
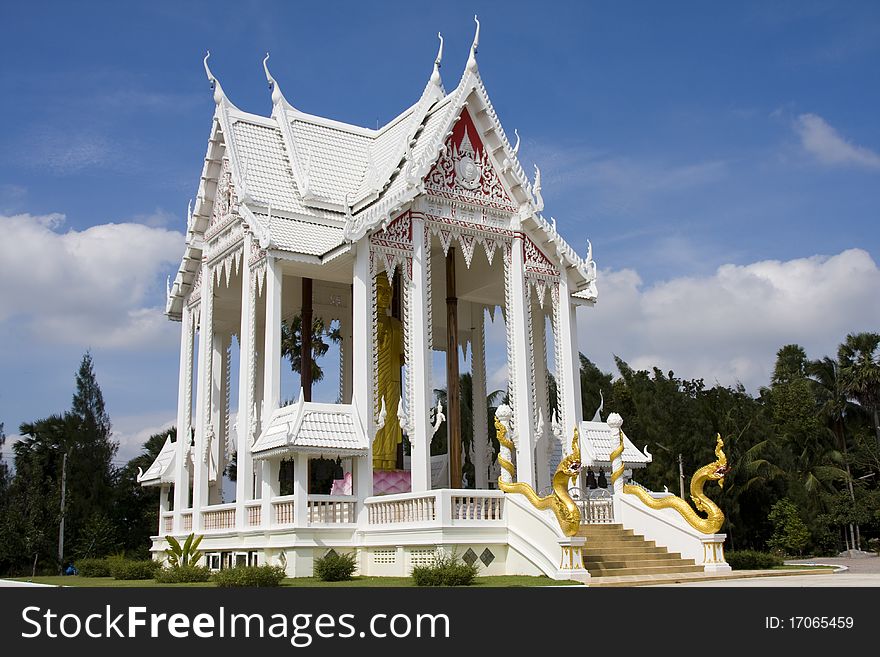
point(219, 95)
point(277, 97)
point(435, 76)
point(472, 59)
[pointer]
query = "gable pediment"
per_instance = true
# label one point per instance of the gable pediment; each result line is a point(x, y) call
point(464, 172)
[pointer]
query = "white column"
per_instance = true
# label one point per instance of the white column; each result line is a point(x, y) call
point(569, 379)
point(362, 360)
point(480, 439)
point(184, 417)
point(520, 385)
point(345, 369)
point(163, 507)
point(542, 442)
point(272, 350)
point(203, 398)
point(419, 370)
point(301, 490)
point(219, 413)
point(244, 461)
point(269, 488)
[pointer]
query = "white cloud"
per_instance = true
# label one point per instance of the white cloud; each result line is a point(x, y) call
point(99, 287)
point(132, 431)
point(728, 326)
point(827, 145)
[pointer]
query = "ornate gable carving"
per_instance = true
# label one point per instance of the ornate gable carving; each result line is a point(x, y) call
point(464, 171)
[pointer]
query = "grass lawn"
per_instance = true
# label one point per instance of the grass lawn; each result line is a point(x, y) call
point(479, 582)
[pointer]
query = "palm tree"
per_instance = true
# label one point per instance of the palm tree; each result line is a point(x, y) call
point(831, 393)
point(291, 342)
point(860, 369)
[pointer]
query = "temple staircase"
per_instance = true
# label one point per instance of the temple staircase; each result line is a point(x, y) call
point(617, 556)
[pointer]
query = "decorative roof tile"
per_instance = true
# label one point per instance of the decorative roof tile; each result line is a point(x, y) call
point(311, 426)
point(598, 440)
point(162, 469)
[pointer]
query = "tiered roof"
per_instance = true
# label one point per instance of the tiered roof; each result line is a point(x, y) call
point(310, 185)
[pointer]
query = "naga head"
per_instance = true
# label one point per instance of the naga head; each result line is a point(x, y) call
point(570, 466)
point(719, 466)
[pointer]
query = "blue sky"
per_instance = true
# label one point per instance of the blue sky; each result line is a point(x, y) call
point(724, 159)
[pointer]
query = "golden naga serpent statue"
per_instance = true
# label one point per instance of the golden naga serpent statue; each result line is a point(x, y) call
point(715, 471)
point(567, 512)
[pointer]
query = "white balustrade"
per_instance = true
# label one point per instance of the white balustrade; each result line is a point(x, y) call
point(332, 509)
point(282, 510)
point(254, 511)
point(440, 507)
point(218, 517)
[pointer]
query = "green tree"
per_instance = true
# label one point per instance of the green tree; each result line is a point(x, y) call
point(83, 434)
point(835, 406)
point(593, 381)
point(4, 470)
point(136, 507)
point(859, 358)
point(790, 534)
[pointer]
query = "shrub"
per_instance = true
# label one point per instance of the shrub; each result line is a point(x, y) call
point(131, 569)
point(335, 567)
point(874, 544)
point(183, 574)
point(790, 534)
point(752, 560)
point(93, 567)
point(250, 576)
point(183, 555)
point(447, 570)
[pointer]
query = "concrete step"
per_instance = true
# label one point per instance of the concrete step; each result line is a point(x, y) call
point(657, 559)
point(679, 578)
point(625, 549)
point(632, 541)
point(599, 572)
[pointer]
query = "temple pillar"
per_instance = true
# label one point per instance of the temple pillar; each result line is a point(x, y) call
point(270, 489)
point(453, 383)
point(301, 490)
point(184, 417)
point(204, 430)
point(272, 348)
point(362, 358)
point(219, 413)
point(543, 451)
point(164, 490)
point(244, 489)
point(418, 369)
point(305, 354)
point(519, 340)
point(480, 440)
point(345, 360)
point(568, 378)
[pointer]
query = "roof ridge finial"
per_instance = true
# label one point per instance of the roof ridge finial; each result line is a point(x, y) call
point(215, 83)
point(539, 200)
point(435, 76)
point(277, 96)
point(472, 59)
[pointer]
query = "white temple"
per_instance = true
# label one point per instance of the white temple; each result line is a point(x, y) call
point(408, 239)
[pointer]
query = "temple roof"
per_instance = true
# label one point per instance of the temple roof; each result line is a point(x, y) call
point(311, 427)
point(340, 181)
point(598, 440)
point(162, 469)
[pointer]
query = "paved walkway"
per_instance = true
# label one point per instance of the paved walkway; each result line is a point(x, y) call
point(859, 572)
point(8, 583)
